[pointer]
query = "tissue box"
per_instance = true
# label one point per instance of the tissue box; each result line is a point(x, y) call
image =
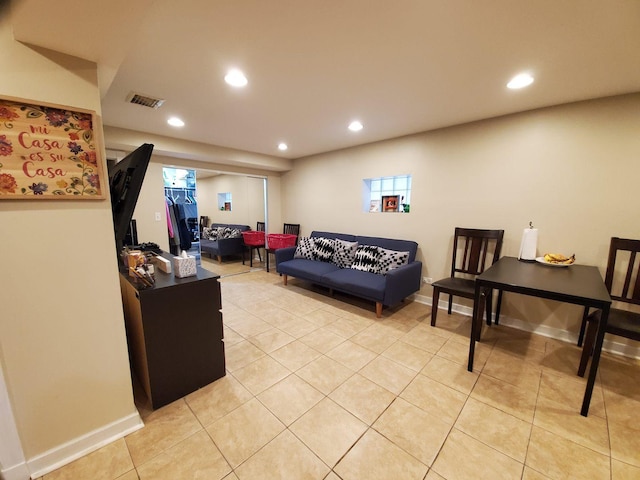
point(184, 266)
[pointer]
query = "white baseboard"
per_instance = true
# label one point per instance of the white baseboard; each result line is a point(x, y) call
point(81, 446)
point(609, 344)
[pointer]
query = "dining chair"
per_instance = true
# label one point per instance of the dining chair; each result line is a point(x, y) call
point(622, 280)
point(287, 228)
point(292, 229)
point(472, 253)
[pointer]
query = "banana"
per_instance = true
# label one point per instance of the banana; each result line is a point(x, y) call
point(558, 258)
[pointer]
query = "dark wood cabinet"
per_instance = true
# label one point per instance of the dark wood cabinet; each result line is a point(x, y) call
point(174, 333)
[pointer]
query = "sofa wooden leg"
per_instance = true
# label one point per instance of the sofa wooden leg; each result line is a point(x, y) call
point(284, 279)
point(378, 309)
point(219, 258)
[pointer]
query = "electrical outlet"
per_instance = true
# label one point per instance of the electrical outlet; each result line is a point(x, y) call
point(427, 280)
point(158, 217)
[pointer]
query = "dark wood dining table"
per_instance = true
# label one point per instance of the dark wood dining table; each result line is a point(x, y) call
point(576, 284)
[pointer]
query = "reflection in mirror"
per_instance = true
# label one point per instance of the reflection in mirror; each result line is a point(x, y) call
point(182, 223)
point(246, 198)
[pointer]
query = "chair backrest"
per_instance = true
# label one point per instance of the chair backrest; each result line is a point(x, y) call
point(623, 270)
point(292, 229)
point(472, 247)
point(260, 227)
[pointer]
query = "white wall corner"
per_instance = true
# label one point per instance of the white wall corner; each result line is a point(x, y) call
point(12, 462)
point(17, 472)
point(81, 446)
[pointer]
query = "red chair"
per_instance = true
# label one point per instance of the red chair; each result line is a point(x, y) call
point(253, 242)
point(287, 229)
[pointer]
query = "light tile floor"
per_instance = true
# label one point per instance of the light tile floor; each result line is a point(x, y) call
point(319, 388)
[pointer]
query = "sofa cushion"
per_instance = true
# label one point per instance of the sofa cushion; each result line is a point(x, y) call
point(305, 248)
point(344, 253)
point(366, 259)
point(359, 283)
point(390, 259)
point(323, 249)
point(311, 270)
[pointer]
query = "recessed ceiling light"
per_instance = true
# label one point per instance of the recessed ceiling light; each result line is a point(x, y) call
point(282, 146)
point(235, 78)
point(355, 126)
point(175, 122)
point(520, 81)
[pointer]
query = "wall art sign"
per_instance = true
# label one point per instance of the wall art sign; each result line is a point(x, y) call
point(49, 151)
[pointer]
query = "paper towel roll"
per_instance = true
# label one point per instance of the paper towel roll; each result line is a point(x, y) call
point(529, 244)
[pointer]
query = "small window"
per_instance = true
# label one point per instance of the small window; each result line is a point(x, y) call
point(387, 194)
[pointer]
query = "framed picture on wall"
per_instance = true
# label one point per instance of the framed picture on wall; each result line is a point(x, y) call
point(49, 151)
point(390, 203)
point(374, 206)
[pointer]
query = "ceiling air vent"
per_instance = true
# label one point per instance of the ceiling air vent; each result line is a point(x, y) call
point(144, 100)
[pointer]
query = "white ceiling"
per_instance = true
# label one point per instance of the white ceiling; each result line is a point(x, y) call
point(399, 66)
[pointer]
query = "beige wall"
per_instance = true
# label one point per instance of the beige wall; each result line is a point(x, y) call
point(62, 341)
point(571, 170)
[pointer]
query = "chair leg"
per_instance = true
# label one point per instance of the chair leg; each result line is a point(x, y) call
point(587, 349)
point(450, 304)
point(259, 257)
point(434, 305)
point(585, 314)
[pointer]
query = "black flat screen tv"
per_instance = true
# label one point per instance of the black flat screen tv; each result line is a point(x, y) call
point(125, 182)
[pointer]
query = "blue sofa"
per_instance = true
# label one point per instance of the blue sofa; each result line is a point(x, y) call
point(224, 246)
point(384, 289)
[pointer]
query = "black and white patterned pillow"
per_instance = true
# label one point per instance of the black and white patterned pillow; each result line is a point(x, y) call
point(390, 259)
point(234, 233)
point(343, 253)
point(366, 259)
point(305, 248)
point(323, 249)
